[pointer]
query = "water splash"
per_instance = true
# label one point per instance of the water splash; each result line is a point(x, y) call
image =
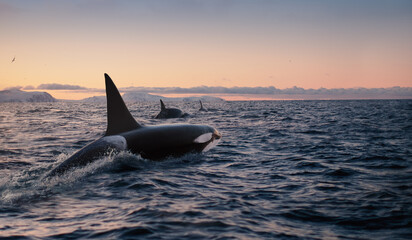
point(31, 185)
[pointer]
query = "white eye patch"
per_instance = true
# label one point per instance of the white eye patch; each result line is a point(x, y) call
point(211, 145)
point(203, 138)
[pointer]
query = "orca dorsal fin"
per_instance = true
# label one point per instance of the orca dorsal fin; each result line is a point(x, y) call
point(201, 105)
point(162, 105)
point(119, 119)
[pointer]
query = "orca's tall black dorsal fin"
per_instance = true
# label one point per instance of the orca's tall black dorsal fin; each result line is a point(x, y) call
point(162, 105)
point(119, 118)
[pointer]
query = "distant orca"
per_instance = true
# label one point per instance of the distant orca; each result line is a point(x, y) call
point(201, 107)
point(169, 112)
point(151, 142)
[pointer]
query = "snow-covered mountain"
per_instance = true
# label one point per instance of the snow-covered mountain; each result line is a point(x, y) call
point(146, 97)
point(140, 97)
point(15, 95)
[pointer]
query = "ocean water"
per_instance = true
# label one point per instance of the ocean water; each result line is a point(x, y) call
point(283, 170)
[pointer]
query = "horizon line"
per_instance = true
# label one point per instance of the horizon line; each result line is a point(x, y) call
point(76, 92)
point(242, 95)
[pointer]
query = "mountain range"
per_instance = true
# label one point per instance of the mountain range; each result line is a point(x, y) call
point(15, 95)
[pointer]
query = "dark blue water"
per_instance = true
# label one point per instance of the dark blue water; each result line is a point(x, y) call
point(283, 170)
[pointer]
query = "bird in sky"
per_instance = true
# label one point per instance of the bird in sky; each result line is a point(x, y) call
point(14, 59)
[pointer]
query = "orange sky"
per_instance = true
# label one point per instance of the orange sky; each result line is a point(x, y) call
point(177, 43)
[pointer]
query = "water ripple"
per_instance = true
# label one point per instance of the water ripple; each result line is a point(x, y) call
point(283, 170)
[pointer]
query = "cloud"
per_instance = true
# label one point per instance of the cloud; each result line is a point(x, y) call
point(57, 86)
point(30, 87)
point(401, 91)
point(14, 88)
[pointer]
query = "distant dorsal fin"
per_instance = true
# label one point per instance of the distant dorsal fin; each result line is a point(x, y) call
point(201, 105)
point(119, 118)
point(162, 105)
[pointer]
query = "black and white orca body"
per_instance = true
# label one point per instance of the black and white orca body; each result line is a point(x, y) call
point(169, 112)
point(202, 109)
point(151, 142)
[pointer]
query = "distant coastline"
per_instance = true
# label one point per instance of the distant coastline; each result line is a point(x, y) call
point(15, 95)
point(211, 94)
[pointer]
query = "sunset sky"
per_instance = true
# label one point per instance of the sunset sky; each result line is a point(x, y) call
point(189, 43)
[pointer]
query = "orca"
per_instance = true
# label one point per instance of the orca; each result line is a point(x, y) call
point(202, 109)
point(169, 112)
point(151, 142)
